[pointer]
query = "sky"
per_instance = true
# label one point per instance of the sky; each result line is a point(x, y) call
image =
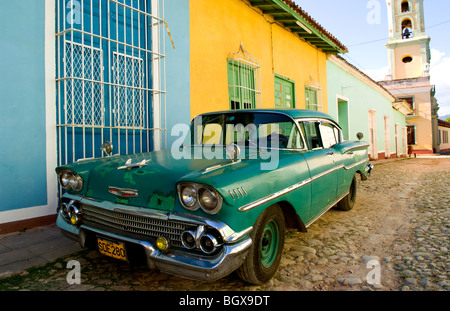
point(357, 24)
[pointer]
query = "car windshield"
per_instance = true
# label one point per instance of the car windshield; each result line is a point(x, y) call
point(246, 129)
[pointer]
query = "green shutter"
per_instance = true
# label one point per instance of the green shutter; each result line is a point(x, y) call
point(284, 93)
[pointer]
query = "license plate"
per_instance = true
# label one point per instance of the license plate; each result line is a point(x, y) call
point(112, 249)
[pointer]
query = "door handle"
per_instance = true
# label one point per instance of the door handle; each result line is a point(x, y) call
point(330, 153)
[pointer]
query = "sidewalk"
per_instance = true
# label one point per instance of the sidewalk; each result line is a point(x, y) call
point(37, 246)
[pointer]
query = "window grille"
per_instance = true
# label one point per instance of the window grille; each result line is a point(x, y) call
point(313, 95)
point(128, 91)
point(83, 89)
point(110, 77)
point(244, 81)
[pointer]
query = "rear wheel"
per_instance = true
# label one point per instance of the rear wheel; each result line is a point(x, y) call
point(264, 256)
point(348, 201)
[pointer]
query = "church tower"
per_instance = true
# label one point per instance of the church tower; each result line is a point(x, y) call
point(409, 73)
point(408, 46)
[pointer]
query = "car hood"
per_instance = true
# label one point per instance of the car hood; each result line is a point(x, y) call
point(144, 180)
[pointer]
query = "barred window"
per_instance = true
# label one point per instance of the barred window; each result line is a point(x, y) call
point(313, 95)
point(129, 110)
point(83, 94)
point(312, 99)
point(244, 86)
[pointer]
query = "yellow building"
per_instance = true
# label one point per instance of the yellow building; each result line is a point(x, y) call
point(257, 54)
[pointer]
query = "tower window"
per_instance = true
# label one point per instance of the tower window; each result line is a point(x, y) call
point(407, 29)
point(405, 6)
point(407, 59)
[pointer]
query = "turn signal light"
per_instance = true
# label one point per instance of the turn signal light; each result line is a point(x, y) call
point(162, 244)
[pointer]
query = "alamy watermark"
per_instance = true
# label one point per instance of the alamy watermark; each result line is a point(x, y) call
point(374, 275)
point(203, 142)
point(374, 15)
point(74, 275)
point(74, 15)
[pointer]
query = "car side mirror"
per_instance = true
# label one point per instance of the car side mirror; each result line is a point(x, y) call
point(359, 135)
point(232, 151)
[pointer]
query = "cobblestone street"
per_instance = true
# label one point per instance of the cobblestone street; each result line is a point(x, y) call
point(395, 239)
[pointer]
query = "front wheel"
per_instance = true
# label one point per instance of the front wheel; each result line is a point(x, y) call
point(264, 256)
point(348, 201)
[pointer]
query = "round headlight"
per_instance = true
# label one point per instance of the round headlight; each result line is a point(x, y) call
point(76, 183)
point(70, 180)
point(208, 199)
point(189, 197)
point(65, 181)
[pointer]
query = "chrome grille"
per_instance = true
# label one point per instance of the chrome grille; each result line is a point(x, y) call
point(135, 225)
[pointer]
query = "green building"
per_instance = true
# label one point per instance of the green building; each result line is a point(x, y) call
point(362, 105)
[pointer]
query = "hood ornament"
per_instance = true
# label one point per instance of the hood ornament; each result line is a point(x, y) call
point(107, 148)
point(128, 164)
point(233, 152)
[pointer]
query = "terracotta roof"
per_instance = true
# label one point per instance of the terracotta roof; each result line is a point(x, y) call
point(443, 123)
point(299, 21)
point(314, 23)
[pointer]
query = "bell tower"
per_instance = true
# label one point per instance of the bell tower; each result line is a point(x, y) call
point(408, 46)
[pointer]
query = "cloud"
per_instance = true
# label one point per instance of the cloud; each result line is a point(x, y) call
point(439, 72)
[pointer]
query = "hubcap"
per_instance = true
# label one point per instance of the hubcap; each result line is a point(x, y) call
point(269, 244)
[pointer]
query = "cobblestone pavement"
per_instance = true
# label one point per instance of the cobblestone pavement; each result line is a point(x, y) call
point(396, 238)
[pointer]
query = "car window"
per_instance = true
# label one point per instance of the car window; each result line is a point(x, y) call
point(264, 130)
point(311, 133)
point(320, 134)
point(328, 135)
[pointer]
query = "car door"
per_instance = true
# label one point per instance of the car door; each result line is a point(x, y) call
point(322, 166)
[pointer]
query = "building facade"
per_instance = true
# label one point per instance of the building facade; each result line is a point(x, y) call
point(409, 76)
point(362, 105)
point(257, 54)
point(76, 73)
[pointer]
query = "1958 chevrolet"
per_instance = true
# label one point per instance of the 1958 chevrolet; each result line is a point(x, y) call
point(220, 199)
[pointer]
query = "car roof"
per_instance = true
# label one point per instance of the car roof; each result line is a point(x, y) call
point(293, 113)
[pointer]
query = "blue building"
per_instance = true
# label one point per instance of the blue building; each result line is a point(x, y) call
point(76, 73)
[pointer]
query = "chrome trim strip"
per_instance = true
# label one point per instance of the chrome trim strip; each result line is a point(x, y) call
point(325, 210)
point(327, 172)
point(274, 196)
point(296, 186)
point(355, 164)
point(235, 237)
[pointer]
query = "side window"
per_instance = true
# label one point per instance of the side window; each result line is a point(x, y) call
point(311, 133)
point(330, 134)
point(286, 134)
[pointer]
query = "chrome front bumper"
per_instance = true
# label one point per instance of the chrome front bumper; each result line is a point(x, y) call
point(180, 263)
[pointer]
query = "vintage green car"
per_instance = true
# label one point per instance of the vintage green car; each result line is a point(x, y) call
point(220, 199)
